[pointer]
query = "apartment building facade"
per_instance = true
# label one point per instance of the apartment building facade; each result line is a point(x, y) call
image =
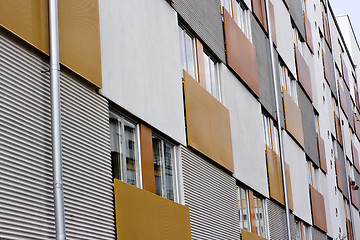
point(182, 119)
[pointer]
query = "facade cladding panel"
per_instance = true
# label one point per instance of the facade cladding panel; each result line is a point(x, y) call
point(308, 123)
point(210, 194)
point(341, 167)
point(330, 64)
point(204, 17)
point(296, 13)
point(27, 206)
point(349, 109)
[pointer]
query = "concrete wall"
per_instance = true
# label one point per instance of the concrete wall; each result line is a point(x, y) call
point(141, 62)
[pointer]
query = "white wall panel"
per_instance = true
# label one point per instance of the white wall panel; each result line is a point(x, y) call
point(140, 57)
point(247, 132)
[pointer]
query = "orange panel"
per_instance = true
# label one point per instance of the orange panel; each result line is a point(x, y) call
point(200, 63)
point(245, 235)
point(355, 156)
point(293, 120)
point(208, 124)
point(79, 31)
point(318, 209)
point(143, 215)
point(345, 73)
point(260, 12)
point(289, 188)
point(349, 229)
point(337, 129)
point(272, 20)
point(241, 54)
point(308, 33)
point(303, 73)
point(322, 155)
point(338, 175)
point(252, 211)
point(147, 158)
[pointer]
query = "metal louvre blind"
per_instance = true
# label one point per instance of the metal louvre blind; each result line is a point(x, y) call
point(317, 235)
point(26, 200)
point(210, 195)
point(277, 221)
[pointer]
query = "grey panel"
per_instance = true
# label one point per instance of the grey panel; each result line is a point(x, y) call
point(332, 80)
point(308, 121)
point(210, 194)
point(204, 18)
point(357, 179)
point(26, 198)
point(277, 221)
point(317, 235)
point(296, 13)
point(341, 159)
point(349, 108)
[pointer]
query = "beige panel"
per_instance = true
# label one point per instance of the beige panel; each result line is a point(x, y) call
point(143, 215)
point(293, 120)
point(79, 31)
point(147, 158)
point(245, 235)
point(208, 124)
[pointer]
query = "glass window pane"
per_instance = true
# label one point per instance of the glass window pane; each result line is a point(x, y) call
point(115, 145)
point(243, 209)
point(182, 48)
point(130, 148)
point(190, 56)
point(214, 80)
point(169, 161)
point(207, 72)
point(157, 151)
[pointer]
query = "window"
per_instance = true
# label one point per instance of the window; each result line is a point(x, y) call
point(287, 81)
point(259, 216)
point(241, 15)
point(243, 208)
point(164, 168)
point(211, 75)
point(313, 174)
point(124, 149)
point(298, 41)
point(187, 52)
point(271, 134)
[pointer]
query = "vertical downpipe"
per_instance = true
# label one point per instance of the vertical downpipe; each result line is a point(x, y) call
point(282, 157)
point(56, 121)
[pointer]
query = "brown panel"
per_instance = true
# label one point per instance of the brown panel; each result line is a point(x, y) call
point(354, 195)
point(322, 155)
point(143, 215)
point(208, 124)
point(245, 235)
point(337, 129)
point(200, 62)
point(326, 67)
point(308, 33)
point(147, 158)
point(272, 20)
point(293, 120)
point(240, 54)
point(343, 102)
point(345, 73)
point(303, 73)
point(318, 209)
point(79, 31)
point(338, 175)
point(288, 185)
point(349, 229)
point(260, 12)
point(355, 156)
point(252, 211)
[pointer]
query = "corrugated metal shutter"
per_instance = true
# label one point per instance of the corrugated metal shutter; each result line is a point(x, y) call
point(277, 221)
point(317, 235)
point(204, 18)
point(26, 202)
point(210, 195)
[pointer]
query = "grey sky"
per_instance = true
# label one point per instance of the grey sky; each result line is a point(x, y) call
point(351, 8)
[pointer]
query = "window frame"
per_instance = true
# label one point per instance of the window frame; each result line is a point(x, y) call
point(185, 32)
point(213, 82)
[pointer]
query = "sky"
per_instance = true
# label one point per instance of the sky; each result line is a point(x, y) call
point(351, 8)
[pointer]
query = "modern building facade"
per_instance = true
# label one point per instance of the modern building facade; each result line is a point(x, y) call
point(182, 119)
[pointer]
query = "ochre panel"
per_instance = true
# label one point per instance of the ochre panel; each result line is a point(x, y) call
point(143, 215)
point(303, 73)
point(241, 54)
point(200, 62)
point(147, 158)
point(338, 175)
point(345, 73)
point(322, 155)
point(79, 31)
point(252, 211)
point(208, 124)
point(245, 235)
point(354, 195)
point(289, 188)
point(308, 34)
point(272, 21)
point(355, 156)
point(318, 209)
point(258, 7)
point(337, 128)
point(349, 229)
point(293, 120)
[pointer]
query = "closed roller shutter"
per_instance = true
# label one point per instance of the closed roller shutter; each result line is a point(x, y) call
point(277, 221)
point(26, 201)
point(317, 235)
point(210, 195)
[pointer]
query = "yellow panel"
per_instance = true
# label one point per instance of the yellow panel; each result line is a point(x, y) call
point(288, 184)
point(245, 235)
point(208, 124)
point(79, 31)
point(293, 120)
point(143, 215)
